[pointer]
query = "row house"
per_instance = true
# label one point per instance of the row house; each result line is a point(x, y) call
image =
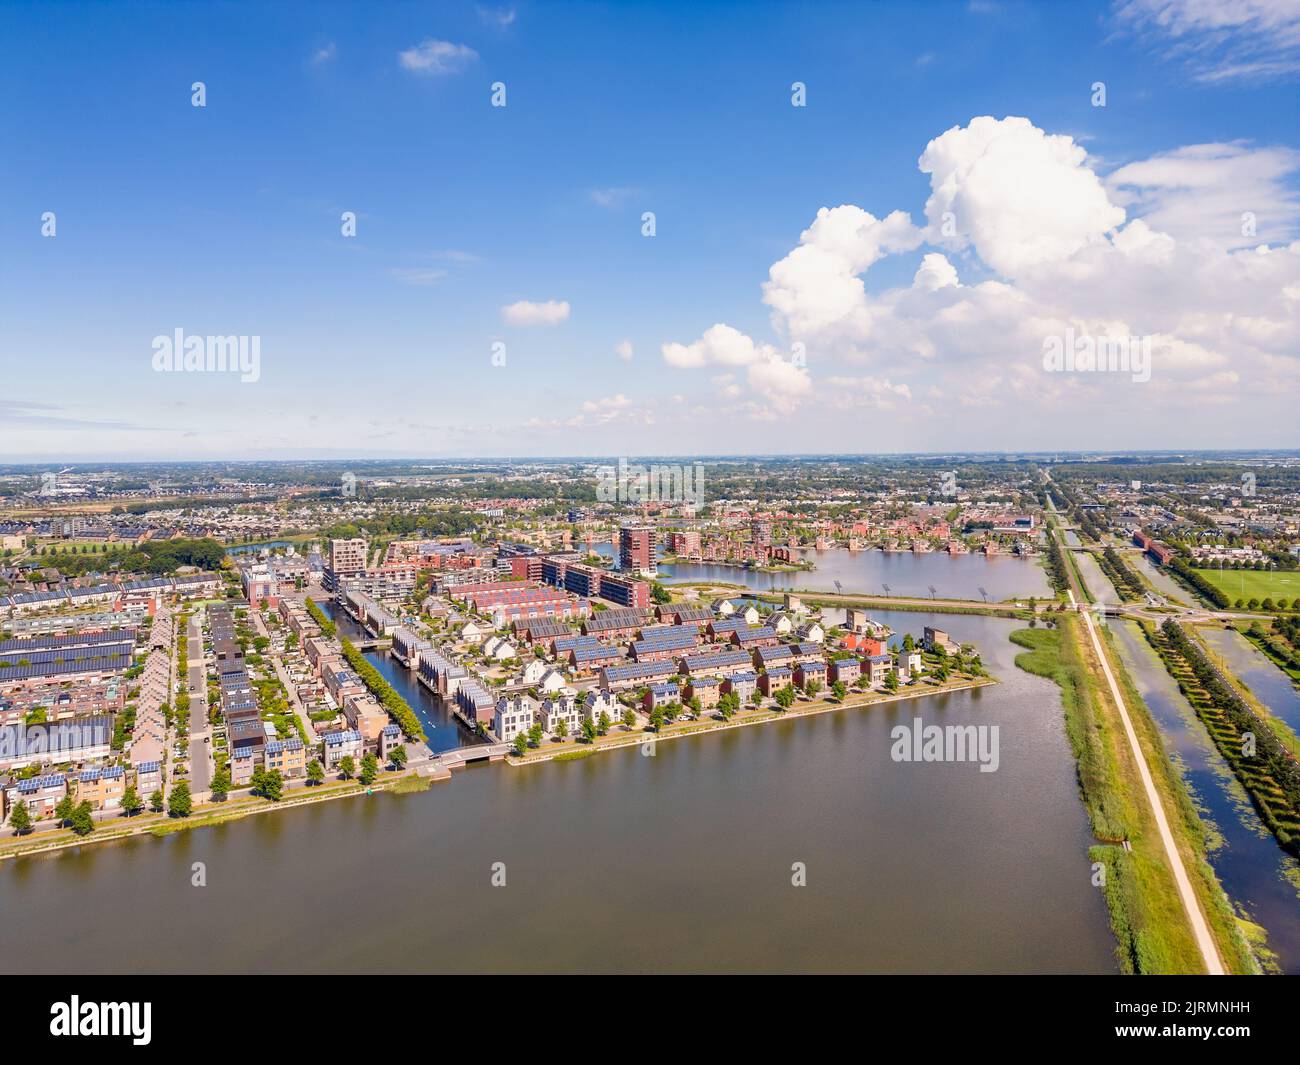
point(741, 685)
point(288, 757)
point(103, 788)
point(810, 671)
point(774, 680)
point(559, 708)
point(513, 715)
point(844, 670)
point(718, 663)
point(597, 702)
point(708, 690)
point(41, 794)
point(658, 696)
point(754, 637)
point(340, 745)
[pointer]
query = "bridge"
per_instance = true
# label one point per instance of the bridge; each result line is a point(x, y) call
point(457, 757)
point(372, 643)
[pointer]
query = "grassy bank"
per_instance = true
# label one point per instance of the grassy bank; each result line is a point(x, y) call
point(1146, 913)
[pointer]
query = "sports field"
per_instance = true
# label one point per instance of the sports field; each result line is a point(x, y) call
point(1251, 584)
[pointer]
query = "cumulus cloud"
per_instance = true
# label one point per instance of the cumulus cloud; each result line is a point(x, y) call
point(432, 57)
point(817, 284)
point(1043, 246)
point(526, 312)
point(623, 349)
point(778, 382)
point(1020, 196)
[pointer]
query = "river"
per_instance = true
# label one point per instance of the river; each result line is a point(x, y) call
point(680, 862)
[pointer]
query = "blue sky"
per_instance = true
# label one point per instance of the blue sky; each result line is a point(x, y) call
point(225, 220)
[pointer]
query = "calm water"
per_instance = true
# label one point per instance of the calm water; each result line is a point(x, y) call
point(952, 576)
point(1269, 684)
point(621, 862)
point(444, 732)
point(1257, 874)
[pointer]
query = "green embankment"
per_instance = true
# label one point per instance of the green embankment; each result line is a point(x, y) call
point(1146, 912)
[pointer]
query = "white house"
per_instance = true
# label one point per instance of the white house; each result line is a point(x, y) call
point(551, 681)
point(781, 622)
point(533, 672)
point(812, 633)
point(559, 708)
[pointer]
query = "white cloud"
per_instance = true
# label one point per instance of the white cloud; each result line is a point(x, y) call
point(1223, 321)
point(1203, 191)
point(1220, 40)
point(432, 57)
point(526, 312)
point(817, 284)
point(623, 349)
point(325, 54)
point(1020, 196)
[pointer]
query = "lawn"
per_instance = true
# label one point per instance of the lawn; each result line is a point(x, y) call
point(1251, 584)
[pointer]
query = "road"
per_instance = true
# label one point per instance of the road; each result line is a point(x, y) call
point(200, 730)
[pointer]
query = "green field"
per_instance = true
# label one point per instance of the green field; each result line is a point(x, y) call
point(1251, 584)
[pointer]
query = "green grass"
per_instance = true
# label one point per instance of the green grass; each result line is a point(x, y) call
point(1251, 584)
point(1146, 913)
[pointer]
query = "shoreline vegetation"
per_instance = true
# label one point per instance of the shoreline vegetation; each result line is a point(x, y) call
point(1151, 929)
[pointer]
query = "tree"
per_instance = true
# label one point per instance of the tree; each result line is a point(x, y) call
point(657, 718)
point(603, 723)
point(839, 689)
point(588, 731)
point(347, 767)
point(398, 756)
point(811, 688)
point(535, 734)
point(272, 786)
point(20, 818)
point(562, 728)
point(785, 697)
point(909, 644)
point(221, 784)
point(369, 768)
point(629, 718)
point(83, 819)
point(156, 801)
point(179, 802)
point(315, 772)
point(521, 743)
point(891, 681)
point(63, 811)
point(132, 804)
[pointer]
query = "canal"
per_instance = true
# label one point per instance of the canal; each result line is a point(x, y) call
point(1260, 878)
point(627, 862)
